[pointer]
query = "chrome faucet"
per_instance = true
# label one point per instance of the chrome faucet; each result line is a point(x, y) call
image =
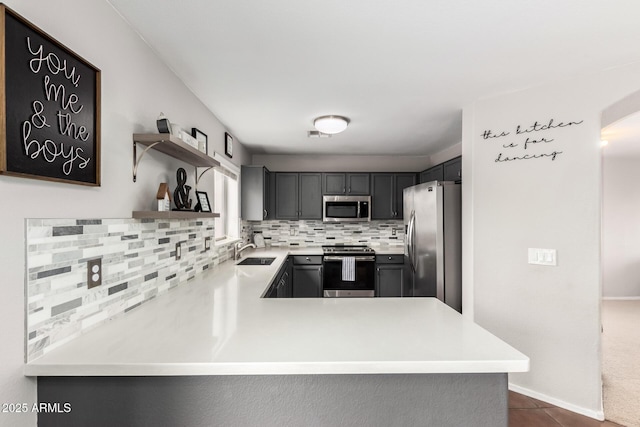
point(238, 248)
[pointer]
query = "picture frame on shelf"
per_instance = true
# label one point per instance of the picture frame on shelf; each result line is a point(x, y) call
point(203, 204)
point(203, 140)
point(228, 144)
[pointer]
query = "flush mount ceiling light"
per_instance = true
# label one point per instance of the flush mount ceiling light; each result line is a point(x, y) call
point(331, 124)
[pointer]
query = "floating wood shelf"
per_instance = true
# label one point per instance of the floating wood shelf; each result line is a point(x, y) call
point(171, 146)
point(173, 215)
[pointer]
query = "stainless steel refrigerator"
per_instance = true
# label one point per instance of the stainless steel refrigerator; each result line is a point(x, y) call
point(433, 241)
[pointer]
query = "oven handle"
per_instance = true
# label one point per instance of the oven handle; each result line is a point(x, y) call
point(340, 258)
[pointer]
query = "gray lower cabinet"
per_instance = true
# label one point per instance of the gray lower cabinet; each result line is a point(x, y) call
point(349, 184)
point(386, 194)
point(307, 276)
point(298, 195)
point(284, 286)
point(257, 194)
point(390, 276)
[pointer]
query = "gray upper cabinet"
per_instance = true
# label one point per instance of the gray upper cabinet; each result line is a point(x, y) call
point(402, 181)
point(435, 173)
point(386, 194)
point(334, 183)
point(298, 195)
point(453, 169)
point(287, 195)
point(338, 183)
point(310, 197)
point(257, 196)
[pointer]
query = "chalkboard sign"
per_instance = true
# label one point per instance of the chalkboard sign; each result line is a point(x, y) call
point(49, 107)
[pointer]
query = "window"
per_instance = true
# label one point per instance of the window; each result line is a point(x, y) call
point(226, 200)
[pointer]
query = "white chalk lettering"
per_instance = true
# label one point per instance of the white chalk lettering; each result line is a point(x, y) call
point(67, 127)
point(55, 92)
point(53, 64)
point(51, 151)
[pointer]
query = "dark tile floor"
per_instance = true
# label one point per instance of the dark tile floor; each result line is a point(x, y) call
point(527, 412)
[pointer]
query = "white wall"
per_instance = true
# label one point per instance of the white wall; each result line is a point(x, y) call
point(136, 86)
point(621, 227)
point(552, 314)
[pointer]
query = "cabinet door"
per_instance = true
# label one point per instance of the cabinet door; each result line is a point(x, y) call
point(271, 202)
point(402, 181)
point(381, 196)
point(432, 174)
point(307, 281)
point(389, 281)
point(358, 184)
point(252, 192)
point(286, 195)
point(310, 196)
point(334, 183)
point(453, 169)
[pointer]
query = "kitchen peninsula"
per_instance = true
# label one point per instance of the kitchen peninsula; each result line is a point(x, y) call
point(212, 349)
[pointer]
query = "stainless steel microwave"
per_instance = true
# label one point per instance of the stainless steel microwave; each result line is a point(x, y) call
point(346, 208)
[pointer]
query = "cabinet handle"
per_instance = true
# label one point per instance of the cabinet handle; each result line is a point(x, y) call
point(389, 258)
point(343, 190)
point(349, 189)
point(459, 173)
point(307, 258)
point(264, 214)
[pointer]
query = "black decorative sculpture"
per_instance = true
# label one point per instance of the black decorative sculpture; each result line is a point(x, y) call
point(181, 193)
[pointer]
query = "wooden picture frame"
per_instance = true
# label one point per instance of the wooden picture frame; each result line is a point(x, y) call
point(203, 140)
point(49, 107)
point(228, 144)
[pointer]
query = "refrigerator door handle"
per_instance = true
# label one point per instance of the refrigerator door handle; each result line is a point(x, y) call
point(410, 240)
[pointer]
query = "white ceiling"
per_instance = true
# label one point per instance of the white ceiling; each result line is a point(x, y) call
point(400, 70)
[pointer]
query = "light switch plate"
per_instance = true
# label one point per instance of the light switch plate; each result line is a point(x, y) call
point(541, 256)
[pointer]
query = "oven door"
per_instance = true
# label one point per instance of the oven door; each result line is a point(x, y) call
point(363, 286)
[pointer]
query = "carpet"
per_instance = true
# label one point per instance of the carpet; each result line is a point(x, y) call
point(621, 361)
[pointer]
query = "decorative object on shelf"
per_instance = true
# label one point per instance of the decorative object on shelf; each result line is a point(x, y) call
point(331, 124)
point(164, 198)
point(181, 193)
point(163, 124)
point(203, 141)
point(228, 144)
point(50, 102)
point(203, 202)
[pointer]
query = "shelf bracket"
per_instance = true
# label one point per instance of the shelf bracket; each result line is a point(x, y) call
point(199, 177)
point(136, 160)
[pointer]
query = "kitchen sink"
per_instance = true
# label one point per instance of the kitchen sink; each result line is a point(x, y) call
point(256, 261)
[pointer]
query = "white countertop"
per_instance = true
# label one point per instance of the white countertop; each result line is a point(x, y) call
point(217, 324)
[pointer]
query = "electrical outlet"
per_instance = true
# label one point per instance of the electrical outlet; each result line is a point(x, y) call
point(178, 251)
point(207, 243)
point(393, 231)
point(94, 273)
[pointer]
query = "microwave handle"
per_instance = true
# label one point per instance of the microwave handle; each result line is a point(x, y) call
point(358, 212)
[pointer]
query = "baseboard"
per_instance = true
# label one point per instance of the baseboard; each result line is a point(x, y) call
point(621, 298)
point(598, 415)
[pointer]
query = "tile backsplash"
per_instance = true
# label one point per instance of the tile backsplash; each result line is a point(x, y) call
point(138, 263)
point(315, 233)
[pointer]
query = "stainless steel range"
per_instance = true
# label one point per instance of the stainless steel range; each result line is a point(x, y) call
point(349, 271)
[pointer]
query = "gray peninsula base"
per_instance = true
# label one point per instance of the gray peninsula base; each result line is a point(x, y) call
point(438, 400)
